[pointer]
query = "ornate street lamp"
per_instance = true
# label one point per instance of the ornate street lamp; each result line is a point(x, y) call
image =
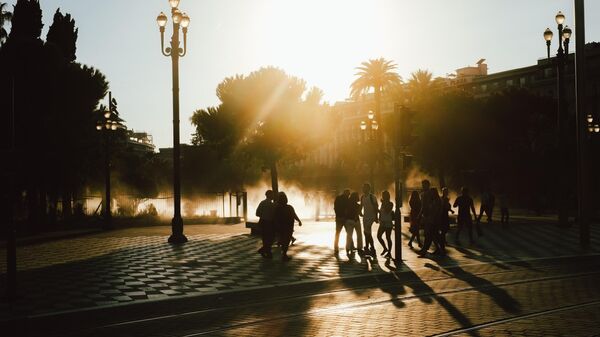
point(108, 122)
point(370, 126)
point(180, 20)
point(564, 36)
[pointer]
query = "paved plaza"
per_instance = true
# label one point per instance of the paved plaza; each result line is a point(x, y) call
point(124, 267)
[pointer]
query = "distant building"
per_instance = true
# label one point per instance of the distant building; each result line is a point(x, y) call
point(140, 142)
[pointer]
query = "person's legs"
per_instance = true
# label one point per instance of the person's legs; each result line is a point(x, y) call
point(460, 223)
point(469, 224)
point(368, 225)
point(388, 236)
point(380, 232)
point(359, 235)
point(349, 227)
point(338, 229)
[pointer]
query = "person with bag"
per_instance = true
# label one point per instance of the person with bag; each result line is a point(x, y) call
point(431, 215)
point(284, 218)
point(386, 216)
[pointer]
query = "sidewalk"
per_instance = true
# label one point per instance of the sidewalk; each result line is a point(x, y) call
point(137, 265)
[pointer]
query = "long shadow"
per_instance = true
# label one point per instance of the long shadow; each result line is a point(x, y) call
point(406, 277)
point(498, 295)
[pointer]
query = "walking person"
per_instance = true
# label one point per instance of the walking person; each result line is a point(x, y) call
point(445, 220)
point(353, 225)
point(284, 218)
point(386, 215)
point(415, 223)
point(465, 206)
point(265, 213)
point(487, 205)
point(431, 215)
point(340, 206)
point(370, 208)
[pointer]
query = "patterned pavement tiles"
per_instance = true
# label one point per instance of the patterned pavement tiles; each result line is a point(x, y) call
point(105, 270)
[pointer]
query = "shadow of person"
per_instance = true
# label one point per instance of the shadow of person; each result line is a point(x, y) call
point(497, 294)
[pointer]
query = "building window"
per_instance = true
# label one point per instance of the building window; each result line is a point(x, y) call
point(548, 72)
point(509, 83)
point(523, 80)
point(483, 87)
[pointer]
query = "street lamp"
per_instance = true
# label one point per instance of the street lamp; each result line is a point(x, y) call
point(370, 126)
point(564, 36)
point(180, 20)
point(108, 122)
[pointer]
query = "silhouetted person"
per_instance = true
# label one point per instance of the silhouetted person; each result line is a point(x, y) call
point(284, 218)
point(445, 220)
point(465, 206)
point(487, 206)
point(386, 215)
point(431, 215)
point(370, 208)
point(265, 213)
point(415, 223)
point(353, 225)
point(340, 206)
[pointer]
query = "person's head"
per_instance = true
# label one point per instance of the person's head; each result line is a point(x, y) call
point(464, 190)
point(414, 195)
point(346, 192)
point(354, 197)
point(269, 194)
point(445, 192)
point(366, 188)
point(385, 195)
point(425, 184)
point(282, 198)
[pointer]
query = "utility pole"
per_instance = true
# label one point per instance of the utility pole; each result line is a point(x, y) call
point(582, 139)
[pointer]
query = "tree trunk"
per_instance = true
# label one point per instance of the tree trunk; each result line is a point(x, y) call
point(274, 182)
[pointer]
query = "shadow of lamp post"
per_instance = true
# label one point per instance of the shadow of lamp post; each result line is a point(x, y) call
point(107, 124)
point(180, 20)
point(564, 36)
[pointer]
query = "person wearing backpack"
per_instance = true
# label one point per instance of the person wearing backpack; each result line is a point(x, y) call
point(369, 209)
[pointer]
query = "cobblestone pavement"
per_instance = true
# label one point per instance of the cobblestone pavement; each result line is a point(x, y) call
point(492, 300)
point(137, 265)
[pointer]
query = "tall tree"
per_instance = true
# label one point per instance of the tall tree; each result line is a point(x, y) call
point(378, 74)
point(63, 35)
point(264, 115)
point(5, 16)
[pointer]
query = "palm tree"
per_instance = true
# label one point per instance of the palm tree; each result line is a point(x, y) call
point(378, 74)
point(5, 16)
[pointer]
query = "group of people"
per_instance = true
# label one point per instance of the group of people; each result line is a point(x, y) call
point(276, 219)
point(349, 207)
point(429, 212)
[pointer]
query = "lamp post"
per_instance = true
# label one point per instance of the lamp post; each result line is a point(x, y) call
point(370, 127)
point(108, 123)
point(564, 35)
point(180, 20)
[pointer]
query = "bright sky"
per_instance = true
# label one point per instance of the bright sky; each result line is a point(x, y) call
point(321, 41)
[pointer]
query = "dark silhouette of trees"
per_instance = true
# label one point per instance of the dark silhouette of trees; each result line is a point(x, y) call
point(58, 150)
